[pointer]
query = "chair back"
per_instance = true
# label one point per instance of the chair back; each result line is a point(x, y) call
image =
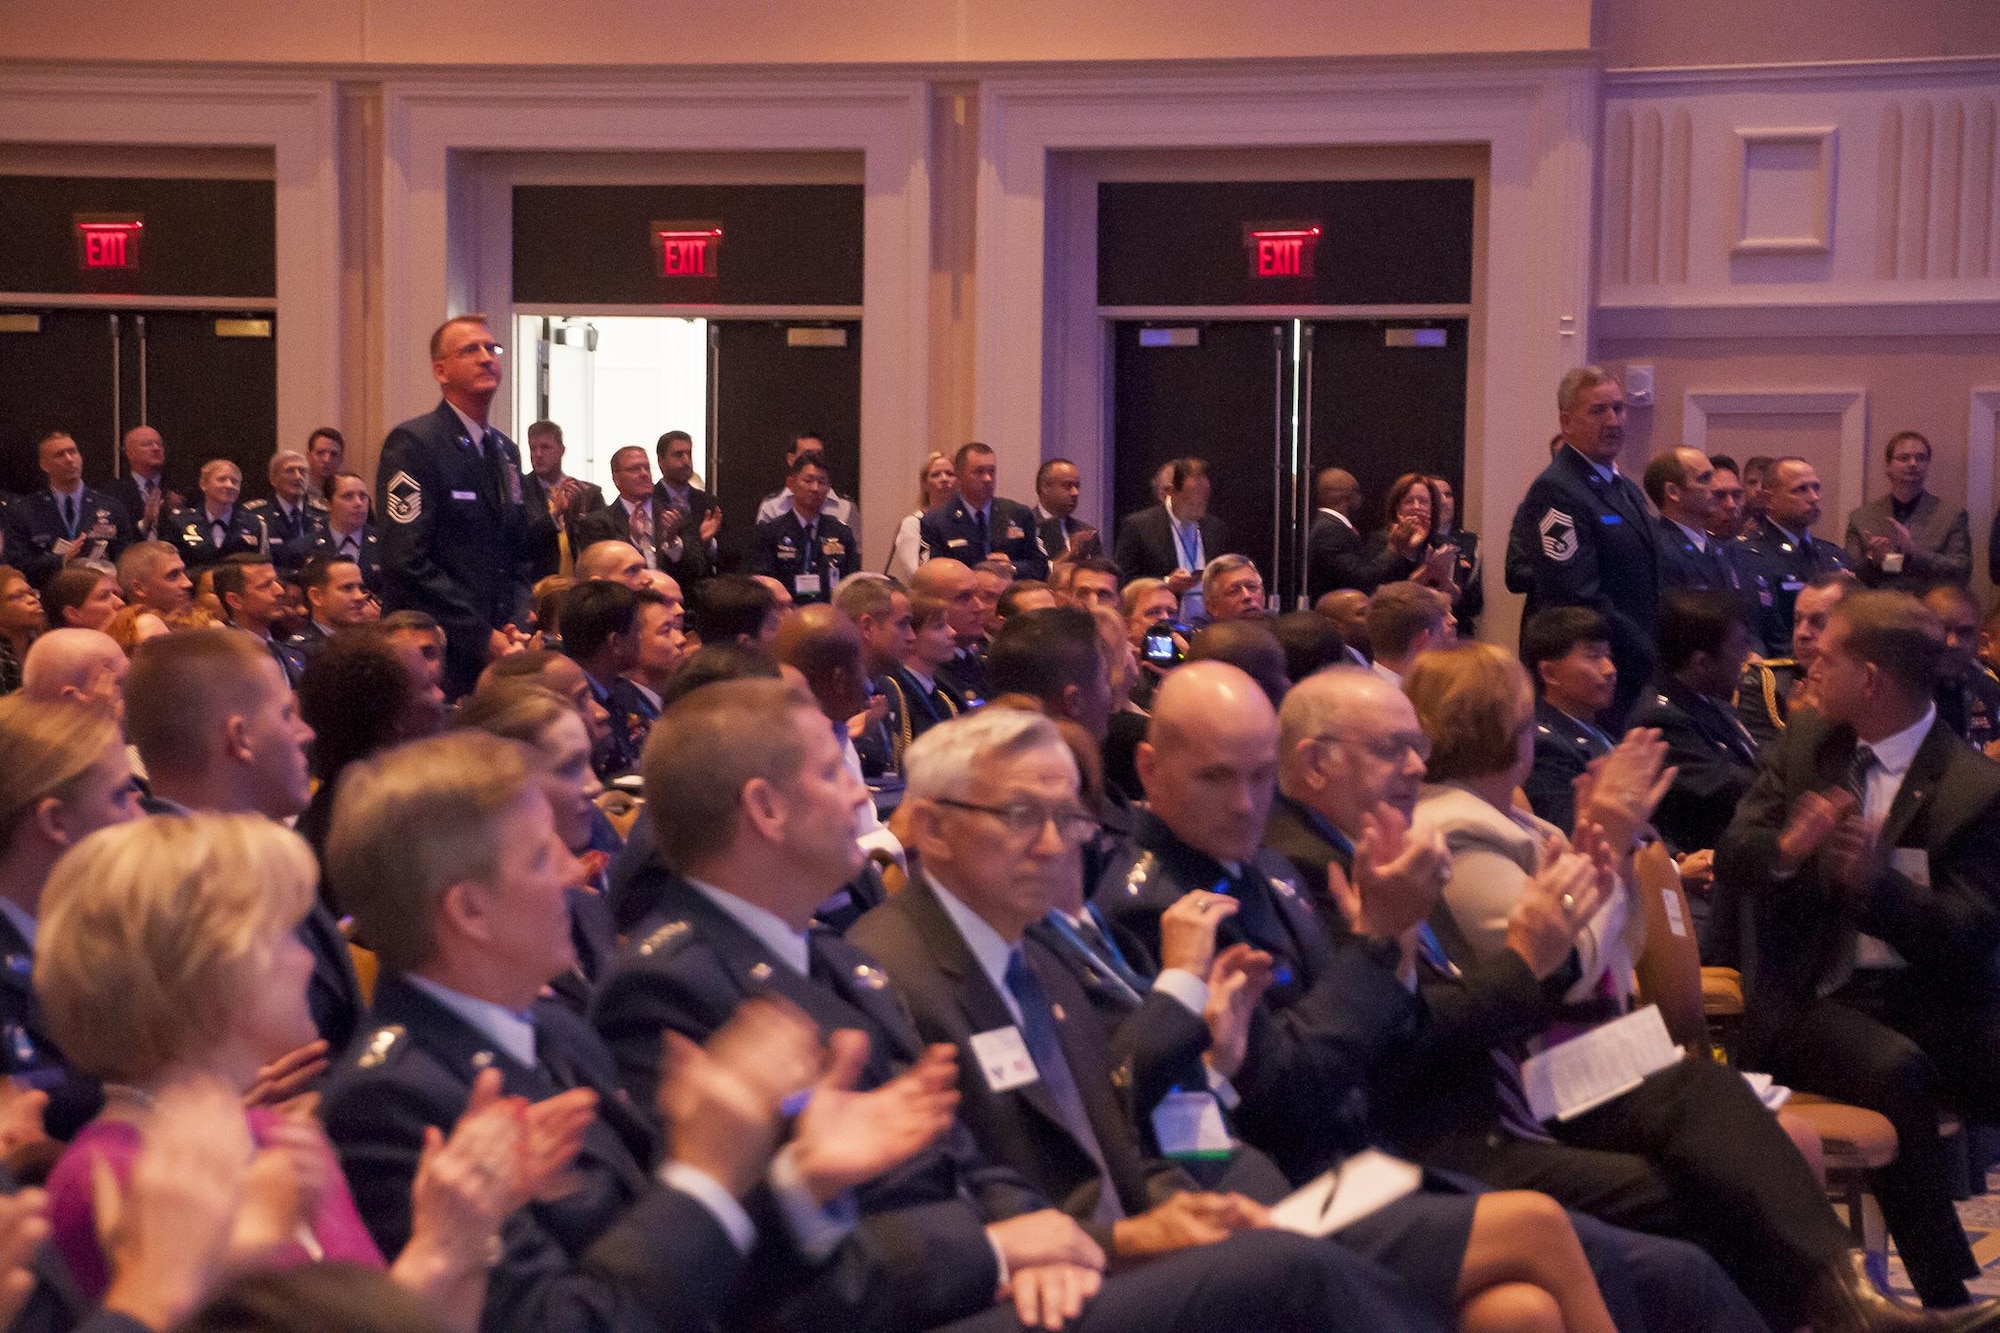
point(1670, 968)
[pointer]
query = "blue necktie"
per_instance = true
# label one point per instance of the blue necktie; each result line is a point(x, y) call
point(69, 516)
point(1045, 1046)
point(1102, 958)
point(979, 523)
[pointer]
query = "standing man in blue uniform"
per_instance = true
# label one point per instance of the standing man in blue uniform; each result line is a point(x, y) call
point(975, 523)
point(449, 489)
point(1782, 556)
point(1585, 532)
point(1680, 483)
point(64, 520)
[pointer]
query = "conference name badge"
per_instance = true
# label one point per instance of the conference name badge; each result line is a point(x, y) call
point(1189, 1127)
point(1004, 1060)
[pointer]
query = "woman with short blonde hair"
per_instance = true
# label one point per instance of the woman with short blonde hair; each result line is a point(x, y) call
point(937, 480)
point(168, 955)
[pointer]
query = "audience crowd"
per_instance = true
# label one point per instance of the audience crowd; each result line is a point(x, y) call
point(490, 904)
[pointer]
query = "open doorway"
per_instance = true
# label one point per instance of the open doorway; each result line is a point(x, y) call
point(611, 381)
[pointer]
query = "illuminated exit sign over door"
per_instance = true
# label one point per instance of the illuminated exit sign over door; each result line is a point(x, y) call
point(687, 249)
point(106, 241)
point(1281, 250)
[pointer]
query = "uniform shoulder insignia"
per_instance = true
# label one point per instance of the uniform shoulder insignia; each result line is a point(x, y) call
point(1559, 540)
point(1141, 871)
point(665, 936)
point(381, 1046)
point(1664, 701)
point(1543, 729)
point(256, 504)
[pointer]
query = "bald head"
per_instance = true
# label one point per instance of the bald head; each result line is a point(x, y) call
point(1210, 759)
point(823, 643)
point(614, 562)
point(1333, 732)
point(1336, 488)
point(957, 587)
point(80, 665)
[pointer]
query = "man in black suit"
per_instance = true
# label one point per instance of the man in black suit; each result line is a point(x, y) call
point(468, 942)
point(449, 490)
point(218, 728)
point(1175, 539)
point(805, 548)
point(634, 515)
point(976, 523)
point(64, 520)
point(1691, 1153)
point(554, 502)
point(763, 835)
point(1870, 849)
point(699, 516)
point(1336, 555)
point(1058, 487)
point(1680, 483)
point(143, 489)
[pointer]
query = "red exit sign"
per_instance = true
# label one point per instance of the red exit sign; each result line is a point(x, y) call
point(1281, 250)
point(687, 249)
point(105, 242)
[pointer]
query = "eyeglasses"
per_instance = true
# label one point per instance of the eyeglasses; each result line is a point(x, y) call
point(1389, 749)
point(473, 349)
point(1027, 818)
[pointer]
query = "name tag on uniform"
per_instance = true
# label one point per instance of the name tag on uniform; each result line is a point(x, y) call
point(1793, 585)
point(1189, 1126)
point(955, 541)
point(465, 495)
point(806, 585)
point(1609, 519)
point(1003, 1057)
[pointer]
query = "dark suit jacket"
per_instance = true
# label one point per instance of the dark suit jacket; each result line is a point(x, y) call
point(618, 1252)
point(922, 1228)
point(126, 492)
point(951, 999)
point(1683, 566)
point(949, 533)
point(289, 539)
point(1334, 1010)
point(1948, 805)
point(1715, 755)
point(1145, 548)
point(544, 551)
point(454, 534)
point(1444, 1084)
point(34, 525)
point(1054, 533)
point(677, 547)
point(325, 543)
point(190, 531)
point(1339, 557)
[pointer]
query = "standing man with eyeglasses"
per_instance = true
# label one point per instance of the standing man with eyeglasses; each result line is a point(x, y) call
point(449, 491)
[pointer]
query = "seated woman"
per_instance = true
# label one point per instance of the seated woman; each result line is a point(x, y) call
point(552, 729)
point(82, 596)
point(1408, 547)
point(167, 953)
point(1689, 1152)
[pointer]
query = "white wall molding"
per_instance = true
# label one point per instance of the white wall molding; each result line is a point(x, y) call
point(445, 248)
point(1982, 426)
point(294, 118)
point(1746, 319)
point(1042, 373)
point(1850, 405)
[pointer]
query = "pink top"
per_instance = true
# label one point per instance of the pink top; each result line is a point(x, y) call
point(336, 1227)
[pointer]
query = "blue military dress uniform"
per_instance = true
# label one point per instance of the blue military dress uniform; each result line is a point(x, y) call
point(1780, 566)
point(367, 552)
point(1564, 748)
point(955, 531)
point(28, 1055)
point(1587, 540)
point(288, 537)
point(193, 534)
point(37, 521)
point(807, 560)
point(1684, 565)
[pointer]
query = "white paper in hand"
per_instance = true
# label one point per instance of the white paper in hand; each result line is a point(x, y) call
point(1363, 1184)
point(1600, 1066)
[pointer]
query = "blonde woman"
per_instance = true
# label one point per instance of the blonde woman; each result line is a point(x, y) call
point(168, 954)
point(937, 480)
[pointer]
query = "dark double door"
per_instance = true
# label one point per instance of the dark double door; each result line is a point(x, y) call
point(206, 380)
point(1270, 402)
